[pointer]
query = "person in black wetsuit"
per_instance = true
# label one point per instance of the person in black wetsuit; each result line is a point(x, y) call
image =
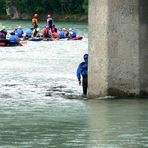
point(82, 70)
point(49, 21)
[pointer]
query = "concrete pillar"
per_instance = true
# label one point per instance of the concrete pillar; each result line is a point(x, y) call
point(118, 48)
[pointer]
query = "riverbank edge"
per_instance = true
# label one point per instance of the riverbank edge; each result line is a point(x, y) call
point(58, 18)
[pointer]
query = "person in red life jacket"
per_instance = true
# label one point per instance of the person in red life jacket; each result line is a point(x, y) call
point(49, 21)
point(54, 32)
point(2, 36)
point(46, 32)
point(35, 21)
point(54, 29)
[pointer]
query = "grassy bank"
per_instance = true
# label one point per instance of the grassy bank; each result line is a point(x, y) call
point(72, 18)
point(61, 18)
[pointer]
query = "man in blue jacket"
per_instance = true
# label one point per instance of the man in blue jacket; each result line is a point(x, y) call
point(72, 33)
point(13, 39)
point(19, 32)
point(82, 70)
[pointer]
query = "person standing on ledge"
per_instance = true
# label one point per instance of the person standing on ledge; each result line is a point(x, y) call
point(82, 70)
point(50, 21)
point(35, 21)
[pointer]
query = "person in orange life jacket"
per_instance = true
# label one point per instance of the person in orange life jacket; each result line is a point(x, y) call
point(19, 32)
point(50, 21)
point(13, 39)
point(35, 21)
point(82, 70)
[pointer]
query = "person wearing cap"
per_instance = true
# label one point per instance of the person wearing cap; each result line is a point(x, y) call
point(50, 21)
point(72, 33)
point(35, 21)
point(82, 71)
point(19, 32)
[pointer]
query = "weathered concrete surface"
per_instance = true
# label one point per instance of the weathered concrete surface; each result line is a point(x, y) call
point(118, 50)
point(143, 37)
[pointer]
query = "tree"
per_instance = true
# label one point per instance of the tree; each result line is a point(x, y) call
point(3, 6)
point(85, 6)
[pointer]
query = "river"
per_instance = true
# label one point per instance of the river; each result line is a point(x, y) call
point(41, 103)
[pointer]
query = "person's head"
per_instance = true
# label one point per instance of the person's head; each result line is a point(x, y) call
point(36, 15)
point(70, 29)
point(85, 57)
point(12, 33)
point(64, 29)
point(48, 16)
point(16, 27)
point(4, 27)
point(47, 27)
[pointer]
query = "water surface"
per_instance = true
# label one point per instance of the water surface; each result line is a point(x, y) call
point(41, 104)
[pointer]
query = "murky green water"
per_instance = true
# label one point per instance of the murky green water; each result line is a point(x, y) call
point(41, 104)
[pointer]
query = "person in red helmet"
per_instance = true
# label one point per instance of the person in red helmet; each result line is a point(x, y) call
point(35, 21)
point(49, 21)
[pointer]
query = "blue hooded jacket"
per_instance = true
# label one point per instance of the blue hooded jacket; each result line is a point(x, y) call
point(82, 70)
point(62, 34)
point(19, 32)
point(29, 32)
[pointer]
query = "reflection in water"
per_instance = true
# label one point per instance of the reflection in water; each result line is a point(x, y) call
point(119, 123)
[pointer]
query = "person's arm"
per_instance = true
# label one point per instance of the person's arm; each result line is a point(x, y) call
point(47, 22)
point(79, 74)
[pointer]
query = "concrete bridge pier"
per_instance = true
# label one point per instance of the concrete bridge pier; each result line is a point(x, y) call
point(118, 48)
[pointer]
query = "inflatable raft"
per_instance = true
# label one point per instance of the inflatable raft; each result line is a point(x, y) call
point(76, 38)
point(7, 43)
point(35, 39)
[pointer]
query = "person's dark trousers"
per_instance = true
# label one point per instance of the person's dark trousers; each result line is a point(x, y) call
point(84, 85)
